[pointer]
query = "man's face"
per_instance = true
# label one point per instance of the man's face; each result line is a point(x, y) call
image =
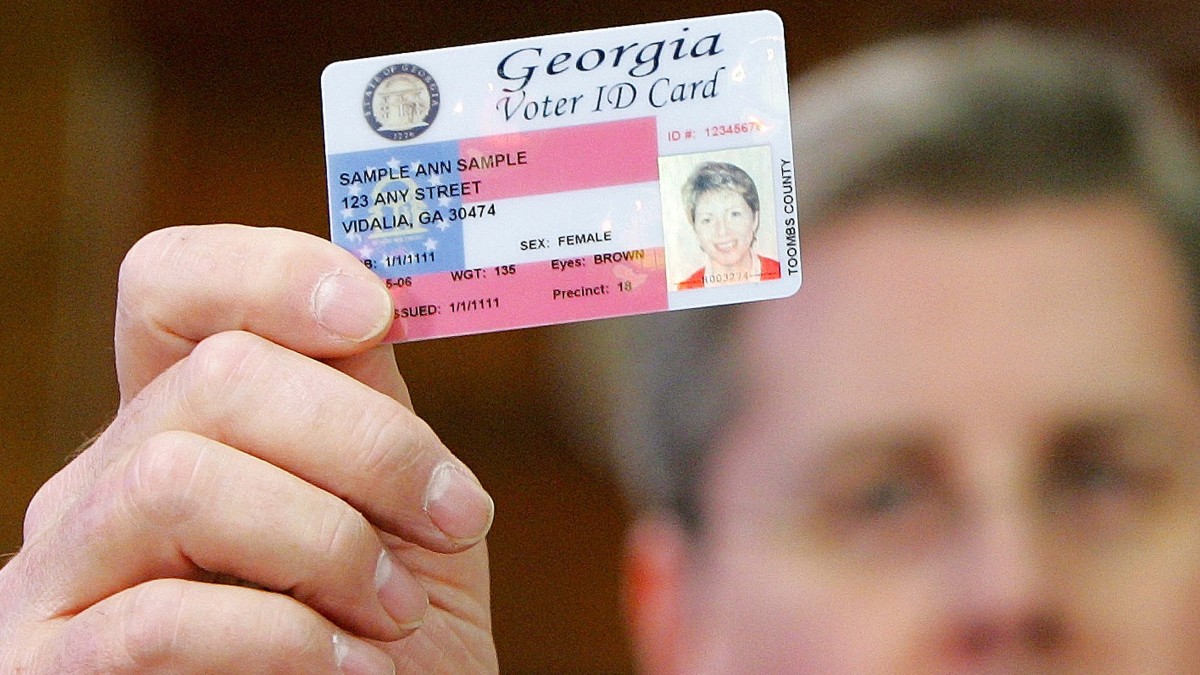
point(972, 443)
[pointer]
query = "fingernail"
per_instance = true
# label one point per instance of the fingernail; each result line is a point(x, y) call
point(458, 505)
point(400, 594)
point(351, 307)
point(355, 657)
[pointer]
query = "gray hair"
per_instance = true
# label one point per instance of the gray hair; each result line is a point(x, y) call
point(713, 176)
point(988, 115)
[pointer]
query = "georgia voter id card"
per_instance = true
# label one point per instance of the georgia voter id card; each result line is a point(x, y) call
point(567, 177)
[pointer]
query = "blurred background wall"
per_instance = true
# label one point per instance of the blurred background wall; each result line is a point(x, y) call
point(123, 116)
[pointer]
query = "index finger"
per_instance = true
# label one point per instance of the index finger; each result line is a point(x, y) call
point(182, 284)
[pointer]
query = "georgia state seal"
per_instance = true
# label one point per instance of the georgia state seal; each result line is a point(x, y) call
point(401, 101)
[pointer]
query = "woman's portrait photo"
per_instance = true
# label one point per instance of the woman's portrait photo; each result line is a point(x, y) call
point(714, 212)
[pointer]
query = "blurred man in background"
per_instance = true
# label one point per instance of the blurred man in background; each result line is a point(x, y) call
point(971, 442)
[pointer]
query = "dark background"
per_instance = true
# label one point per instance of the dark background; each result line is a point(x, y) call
point(121, 117)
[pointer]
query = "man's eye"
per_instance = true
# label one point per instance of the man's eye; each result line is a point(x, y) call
point(885, 497)
point(890, 518)
point(891, 499)
point(1093, 474)
point(1089, 460)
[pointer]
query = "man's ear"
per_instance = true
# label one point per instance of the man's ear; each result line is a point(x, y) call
point(655, 562)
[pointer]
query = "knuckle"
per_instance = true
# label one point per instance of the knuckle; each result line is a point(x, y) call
point(290, 634)
point(393, 443)
point(145, 256)
point(169, 622)
point(164, 475)
point(151, 619)
point(220, 365)
point(46, 502)
point(135, 279)
point(142, 270)
point(343, 537)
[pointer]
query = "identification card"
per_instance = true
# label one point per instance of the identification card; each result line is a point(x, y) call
point(568, 177)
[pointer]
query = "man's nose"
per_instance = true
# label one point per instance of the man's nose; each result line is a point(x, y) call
point(1001, 597)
